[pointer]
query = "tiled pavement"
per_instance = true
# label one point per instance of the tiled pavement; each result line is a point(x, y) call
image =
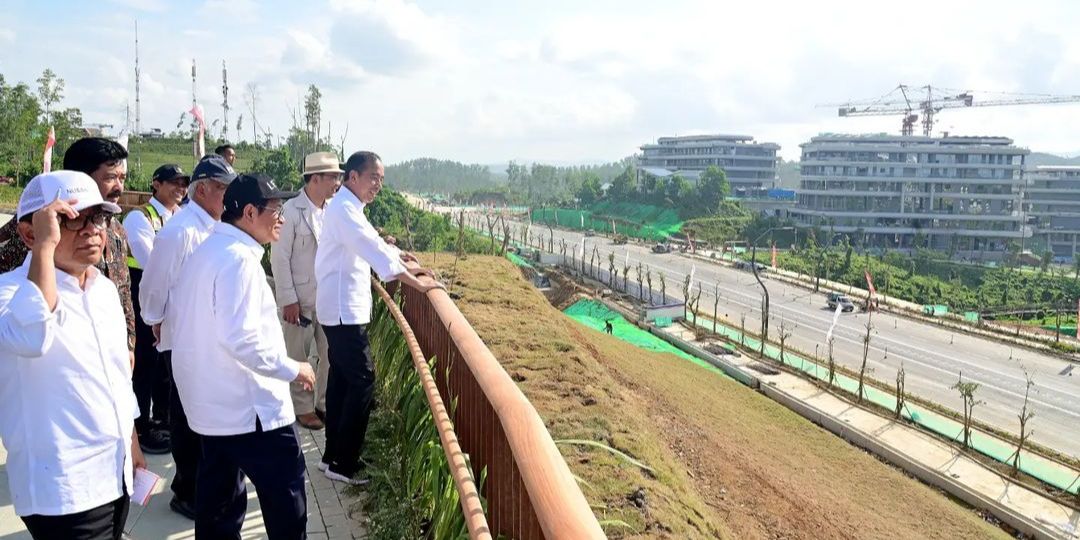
point(332, 515)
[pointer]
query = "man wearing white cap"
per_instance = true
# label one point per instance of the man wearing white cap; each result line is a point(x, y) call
point(292, 261)
point(67, 409)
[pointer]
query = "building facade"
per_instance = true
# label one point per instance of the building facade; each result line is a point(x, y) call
point(1052, 203)
point(956, 194)
point(750, 166)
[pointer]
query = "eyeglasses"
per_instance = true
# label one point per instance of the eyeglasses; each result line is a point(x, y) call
point(278, 211)
point(100, 220)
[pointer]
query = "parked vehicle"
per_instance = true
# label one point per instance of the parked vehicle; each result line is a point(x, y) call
point(620, 239)
point(748, 266)
point(590, 232)
point(661, 248)
point(845, 303)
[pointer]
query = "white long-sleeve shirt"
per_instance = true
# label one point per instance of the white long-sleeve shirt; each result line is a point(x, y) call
point(172, 246)
point(141, 233)
point(229, 358)
point(349, 249)
point(67, 409)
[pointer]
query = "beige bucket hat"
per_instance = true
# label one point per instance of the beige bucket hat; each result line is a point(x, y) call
point(322, 162)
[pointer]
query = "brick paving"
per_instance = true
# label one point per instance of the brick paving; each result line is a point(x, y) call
point(332, 514)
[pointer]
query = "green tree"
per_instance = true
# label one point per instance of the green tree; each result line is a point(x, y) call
point(713, 187)
point(279, 165)
point(622, 187)
point(1045, 260)
point(678, 191)
point(20, 131)
point(50, 89)
point(589, 192)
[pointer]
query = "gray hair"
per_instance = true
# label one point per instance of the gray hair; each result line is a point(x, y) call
point(191, 188)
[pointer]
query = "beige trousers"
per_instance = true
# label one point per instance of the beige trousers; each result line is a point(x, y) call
point(298, 344)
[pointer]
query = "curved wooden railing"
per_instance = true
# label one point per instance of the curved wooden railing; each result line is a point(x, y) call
point(529, 489)
point(475, 519)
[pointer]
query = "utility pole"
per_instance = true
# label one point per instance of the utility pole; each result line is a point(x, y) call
point(225, 101)
point(138, 117)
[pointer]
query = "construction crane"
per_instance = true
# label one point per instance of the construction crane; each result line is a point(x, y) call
point(906, 100)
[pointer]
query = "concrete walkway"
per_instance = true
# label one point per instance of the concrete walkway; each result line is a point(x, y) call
point(332, 515)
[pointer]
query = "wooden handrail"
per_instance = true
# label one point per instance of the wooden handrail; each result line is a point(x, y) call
point(501, 430)
point(475, 520)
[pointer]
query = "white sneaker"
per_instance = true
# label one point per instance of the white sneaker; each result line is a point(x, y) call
point(337, 477)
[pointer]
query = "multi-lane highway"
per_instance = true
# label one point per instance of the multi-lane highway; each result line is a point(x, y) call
point(933, 357)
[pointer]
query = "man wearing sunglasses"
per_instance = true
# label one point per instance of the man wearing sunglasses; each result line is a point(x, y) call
point(168, 186)
point(66, 404)
point(172, 246)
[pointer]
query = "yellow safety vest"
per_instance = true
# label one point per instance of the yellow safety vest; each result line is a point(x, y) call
point(156, 223)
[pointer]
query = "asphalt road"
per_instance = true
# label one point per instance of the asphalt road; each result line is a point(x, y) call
point(932, 357)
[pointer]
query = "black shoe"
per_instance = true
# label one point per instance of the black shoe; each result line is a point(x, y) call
point(155, 442)
point(183, 508)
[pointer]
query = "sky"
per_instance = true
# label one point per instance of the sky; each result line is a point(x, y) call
point(558, 81)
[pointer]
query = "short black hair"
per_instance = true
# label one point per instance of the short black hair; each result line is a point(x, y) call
point(307, 177)
point(232, 215)
point(221, 149)
point(89, 153)
point(360, 161)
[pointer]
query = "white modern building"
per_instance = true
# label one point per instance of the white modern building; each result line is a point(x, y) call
point(750, 166)
point(959, 194)
point(1052, 203)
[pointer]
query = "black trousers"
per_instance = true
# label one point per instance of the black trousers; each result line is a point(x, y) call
point(274, 463)
point(149, 379)
point(186, 447)
point(106, 522)
point(349, 391)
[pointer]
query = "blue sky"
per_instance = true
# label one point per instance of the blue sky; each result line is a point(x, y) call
point(559, 81)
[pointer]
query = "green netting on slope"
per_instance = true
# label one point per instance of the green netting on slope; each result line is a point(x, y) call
point(514, 258)
point(636, 220)
point(593, 314)
point(1065, 330)
point(1052, 473)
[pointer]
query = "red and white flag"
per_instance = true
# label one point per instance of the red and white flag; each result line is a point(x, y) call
point(199, 148)
point(869, 282)
point(46, 163)
point(774, 257)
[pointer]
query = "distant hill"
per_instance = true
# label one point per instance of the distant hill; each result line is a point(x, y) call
point(1041, 158)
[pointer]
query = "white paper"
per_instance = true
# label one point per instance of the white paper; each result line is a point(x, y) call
point(145, 481)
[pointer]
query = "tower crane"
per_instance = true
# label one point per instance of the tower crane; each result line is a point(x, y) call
point(909, 101)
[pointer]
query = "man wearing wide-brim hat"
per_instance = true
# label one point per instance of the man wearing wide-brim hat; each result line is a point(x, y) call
point(292, 261)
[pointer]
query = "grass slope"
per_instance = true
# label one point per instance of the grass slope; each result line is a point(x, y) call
point(727, 461)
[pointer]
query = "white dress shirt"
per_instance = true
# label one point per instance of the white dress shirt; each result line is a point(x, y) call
point(292, 257)
point(172, 246)
point(66, 405)
point(228, 356)
point(141, 233)
point(349, 249)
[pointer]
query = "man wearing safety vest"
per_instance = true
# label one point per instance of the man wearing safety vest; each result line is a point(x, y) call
point(150, 381)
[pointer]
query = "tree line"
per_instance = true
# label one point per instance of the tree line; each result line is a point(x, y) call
point(26, 113)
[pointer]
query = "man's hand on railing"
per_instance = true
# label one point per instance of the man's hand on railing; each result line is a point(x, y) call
point(419, 279)
point(407, 258)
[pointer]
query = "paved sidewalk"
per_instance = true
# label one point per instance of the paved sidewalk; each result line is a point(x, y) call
point(332, 515)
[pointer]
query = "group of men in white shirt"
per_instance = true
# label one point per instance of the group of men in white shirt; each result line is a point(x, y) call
point(227, 350)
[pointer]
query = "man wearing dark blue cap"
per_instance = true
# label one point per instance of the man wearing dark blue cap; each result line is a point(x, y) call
point(168, 186)
point(233, 372)
point(172, 246)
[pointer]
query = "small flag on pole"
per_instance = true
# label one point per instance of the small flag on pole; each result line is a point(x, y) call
point(869, 283)
point(774, 257)
point(693, 268)
point(199, 148)
point(46, 164)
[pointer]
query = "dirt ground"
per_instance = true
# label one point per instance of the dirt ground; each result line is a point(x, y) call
point(724, 461)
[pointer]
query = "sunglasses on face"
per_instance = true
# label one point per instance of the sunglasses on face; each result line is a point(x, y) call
point(100, 220)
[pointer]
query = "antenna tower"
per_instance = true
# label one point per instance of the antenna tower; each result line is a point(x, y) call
point(225, 101)
point(138, 117)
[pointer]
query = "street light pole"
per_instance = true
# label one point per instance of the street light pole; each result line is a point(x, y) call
point(764, 290)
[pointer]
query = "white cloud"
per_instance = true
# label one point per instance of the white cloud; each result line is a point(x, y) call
point(390, 37)
point(7, 36)
point(155, 6)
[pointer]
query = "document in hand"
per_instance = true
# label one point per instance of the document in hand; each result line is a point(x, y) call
point(144, 486)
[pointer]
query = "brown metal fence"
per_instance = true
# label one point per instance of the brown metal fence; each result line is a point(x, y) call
point(528, 487)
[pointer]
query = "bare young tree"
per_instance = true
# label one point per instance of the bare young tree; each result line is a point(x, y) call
point(1024, 416)
point(408, 231)
point(785, 333)
point(901, 399)
point(715, 305)
point(596, 258)
point(832, 363)
point(611, 270)
point(648, 281)
point(641, 290)
point(562, 249)
point(626, 276)
point(491, 230)
point(686, 294)
point(551, 239)
point(865, 353)
point(967, 392)
point(506, 234)
point(742, 329)
point(663, 288)
point(695, 301)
